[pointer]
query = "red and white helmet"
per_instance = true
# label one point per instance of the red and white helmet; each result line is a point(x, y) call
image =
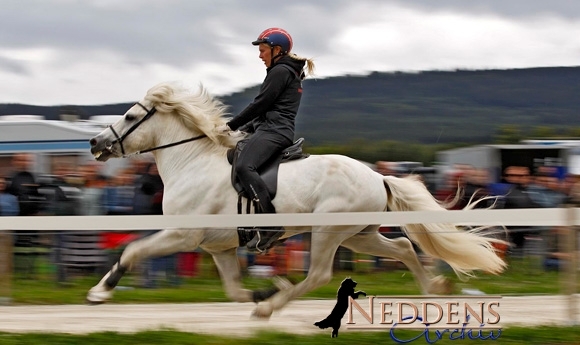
point(275, 37)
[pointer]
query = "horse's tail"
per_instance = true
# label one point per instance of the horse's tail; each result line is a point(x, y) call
point(464, 251)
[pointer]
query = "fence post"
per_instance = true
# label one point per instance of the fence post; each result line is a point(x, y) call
point(569, 245)
point(6, 266)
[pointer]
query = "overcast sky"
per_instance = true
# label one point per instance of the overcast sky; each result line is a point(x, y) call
point(55, 52)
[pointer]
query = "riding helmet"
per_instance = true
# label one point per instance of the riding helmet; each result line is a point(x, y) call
point(275, 37)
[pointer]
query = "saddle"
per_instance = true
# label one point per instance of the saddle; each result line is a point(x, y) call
point(269, 171)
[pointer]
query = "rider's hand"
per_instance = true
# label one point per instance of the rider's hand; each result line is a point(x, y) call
point(223, 129)
point(237, 134)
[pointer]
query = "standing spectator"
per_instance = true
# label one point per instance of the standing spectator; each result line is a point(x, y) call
point(91, 204)
point(23, 185)
point(117, 201)
point(8, 207)
point(148, 186)
point(8, 202)
point(119, 194)
point(545, 190)
point(386, 168)
point(92, 189)
point(63, 200)
point(449, 194)
point(64, 197)
point(518, 197)
point(154, 185)
point(567, 185)
point(477, 187)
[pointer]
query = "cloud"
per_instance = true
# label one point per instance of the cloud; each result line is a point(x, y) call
point(104, 51)
point(11, 66)
point(409, 39)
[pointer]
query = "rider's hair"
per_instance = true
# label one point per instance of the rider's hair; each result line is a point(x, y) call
point(309, 63)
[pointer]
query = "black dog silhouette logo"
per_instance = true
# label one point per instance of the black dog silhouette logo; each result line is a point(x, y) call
point(345, 291)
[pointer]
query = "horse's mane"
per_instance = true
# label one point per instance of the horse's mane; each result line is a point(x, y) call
point(198, 111)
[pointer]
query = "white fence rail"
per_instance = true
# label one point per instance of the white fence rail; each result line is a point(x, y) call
point(523, 217)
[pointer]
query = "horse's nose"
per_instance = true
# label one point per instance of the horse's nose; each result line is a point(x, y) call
point(93, 141)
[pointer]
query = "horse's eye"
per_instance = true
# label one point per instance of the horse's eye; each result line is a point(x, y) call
point(129, 117)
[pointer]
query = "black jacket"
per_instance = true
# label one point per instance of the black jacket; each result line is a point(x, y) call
point(519, 197)
point(147, 188)
point(23, 185)
point(276, 106)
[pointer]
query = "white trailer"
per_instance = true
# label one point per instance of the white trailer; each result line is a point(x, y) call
point(495, 158)
point(51, 142)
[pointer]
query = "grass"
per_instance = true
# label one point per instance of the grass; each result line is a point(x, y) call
point(522, 277)
point(513, 336)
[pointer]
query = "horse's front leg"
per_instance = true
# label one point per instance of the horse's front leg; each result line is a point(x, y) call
point(162, 243)
point(229, 269)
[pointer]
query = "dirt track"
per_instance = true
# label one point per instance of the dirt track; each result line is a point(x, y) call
point(234, 318)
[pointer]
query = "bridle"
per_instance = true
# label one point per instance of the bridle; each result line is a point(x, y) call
point(119, 138)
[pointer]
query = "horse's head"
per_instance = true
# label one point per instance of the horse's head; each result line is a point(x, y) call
point(167, 116)
point(126, 136)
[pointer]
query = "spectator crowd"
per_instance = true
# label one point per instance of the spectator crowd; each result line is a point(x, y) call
point(81, 191)
point(518, 188)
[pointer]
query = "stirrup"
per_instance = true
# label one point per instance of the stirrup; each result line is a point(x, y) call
point(262, 244)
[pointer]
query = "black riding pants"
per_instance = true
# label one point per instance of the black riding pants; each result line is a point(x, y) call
point(260, 147)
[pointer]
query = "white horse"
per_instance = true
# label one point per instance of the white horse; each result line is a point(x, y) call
point(178, 126)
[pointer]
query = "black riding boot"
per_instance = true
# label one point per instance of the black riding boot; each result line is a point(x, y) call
point(265, 238)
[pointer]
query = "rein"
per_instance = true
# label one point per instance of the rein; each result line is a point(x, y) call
point(150, 112)
point(172, 144)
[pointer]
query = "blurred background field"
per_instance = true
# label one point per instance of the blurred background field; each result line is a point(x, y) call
point(524, 275)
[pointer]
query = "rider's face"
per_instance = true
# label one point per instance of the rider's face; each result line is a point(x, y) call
point(266, 53)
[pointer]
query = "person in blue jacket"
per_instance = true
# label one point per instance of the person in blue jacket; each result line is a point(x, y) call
point(8, 202)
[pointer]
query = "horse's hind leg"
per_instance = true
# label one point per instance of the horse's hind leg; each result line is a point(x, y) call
point(229, 269)
point(162, 243)
point(372, 243)
point(324, 243)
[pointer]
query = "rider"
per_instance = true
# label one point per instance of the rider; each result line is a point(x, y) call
point(270, 117)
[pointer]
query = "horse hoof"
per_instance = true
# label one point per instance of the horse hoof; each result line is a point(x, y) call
point(90, 302)
point(95, 297)
point(441, 285)
point(262, 312)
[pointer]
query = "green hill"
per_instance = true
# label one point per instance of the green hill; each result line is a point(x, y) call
point(428, 107)
point(431, 107)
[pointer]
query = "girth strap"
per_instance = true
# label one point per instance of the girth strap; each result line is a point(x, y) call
point(245, 235)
